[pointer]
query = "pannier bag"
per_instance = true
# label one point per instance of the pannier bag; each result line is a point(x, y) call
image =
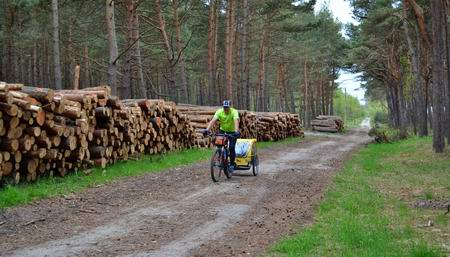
point(220, 140)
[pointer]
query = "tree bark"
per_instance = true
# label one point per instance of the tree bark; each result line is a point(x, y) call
point(403, 117)
point(212, 45)
point(137, 74)
point(8, 41)
point(447, 77)
point(260, 102)
point(438, 18)
point(180, 48)
point(126, 89)
point(229, 44)
point(421, 93)
point(418, 95)
point(47, 69)
point(173, 90)
point(418, 12)
point(112, 46)
point(245, 63)
point(34, 57)
point(69, 57)
point(56, 51)
point(306, 96)
point(87, 69)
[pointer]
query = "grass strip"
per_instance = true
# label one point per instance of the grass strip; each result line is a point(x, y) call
point(74, 182)
point(77, 181)
point(368, 209)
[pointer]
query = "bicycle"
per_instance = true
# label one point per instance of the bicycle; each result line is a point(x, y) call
point(220, 158)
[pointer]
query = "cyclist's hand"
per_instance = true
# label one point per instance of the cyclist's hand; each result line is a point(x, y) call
point(205, 132)
point(237, 134)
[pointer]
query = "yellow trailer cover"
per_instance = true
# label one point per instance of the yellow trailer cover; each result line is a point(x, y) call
point(245, 150)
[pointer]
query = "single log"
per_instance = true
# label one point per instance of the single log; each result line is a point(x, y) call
point(6, 98)
point(10, 145)
point(43, 95)
point(10, 109)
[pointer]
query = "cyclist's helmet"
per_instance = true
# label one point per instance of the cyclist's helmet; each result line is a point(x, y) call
point(226, 104)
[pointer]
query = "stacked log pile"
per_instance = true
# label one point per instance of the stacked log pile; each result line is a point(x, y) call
point(273, 126)
point(265, 126)
point(43, 131)
point(325, 123)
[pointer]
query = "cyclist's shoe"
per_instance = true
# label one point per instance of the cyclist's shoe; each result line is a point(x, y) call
point(231, 169)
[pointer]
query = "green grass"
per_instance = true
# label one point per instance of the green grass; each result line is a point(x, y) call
point(56, 186)
point(48, 187)
point(367, 211)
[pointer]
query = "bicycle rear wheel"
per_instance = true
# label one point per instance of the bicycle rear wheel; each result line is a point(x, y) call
point(218, 168)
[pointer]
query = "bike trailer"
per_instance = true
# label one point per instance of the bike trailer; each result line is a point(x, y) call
point(245, 151)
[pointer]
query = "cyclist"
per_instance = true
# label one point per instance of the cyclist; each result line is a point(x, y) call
point(228, 118)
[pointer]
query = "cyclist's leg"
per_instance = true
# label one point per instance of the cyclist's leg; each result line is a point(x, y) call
point(233, 150)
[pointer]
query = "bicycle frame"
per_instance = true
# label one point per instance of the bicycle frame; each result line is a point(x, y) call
point(224, 148)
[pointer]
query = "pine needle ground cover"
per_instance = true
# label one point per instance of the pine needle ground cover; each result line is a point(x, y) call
point(389, 200)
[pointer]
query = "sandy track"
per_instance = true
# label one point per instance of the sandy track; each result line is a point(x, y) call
point(181, 212)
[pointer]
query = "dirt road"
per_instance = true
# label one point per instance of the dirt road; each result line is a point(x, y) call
point(181, 212)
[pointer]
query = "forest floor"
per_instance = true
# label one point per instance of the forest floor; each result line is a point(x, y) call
point(180, 212)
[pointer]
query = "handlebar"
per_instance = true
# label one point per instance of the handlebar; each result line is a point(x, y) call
point(226, 134)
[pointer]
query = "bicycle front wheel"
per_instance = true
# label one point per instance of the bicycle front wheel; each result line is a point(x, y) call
point(217, 166)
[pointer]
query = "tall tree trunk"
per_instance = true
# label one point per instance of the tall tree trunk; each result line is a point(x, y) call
point(212, 45)
point(47, 69)
point(260, 101)
point(281, 86)
point(20, 64)
point(306, 95)
point(438, 19)
point(142, 88)
point(87, 69)
point(402, 110)
point(69, 57)
point(8, 41)
point(126, 88)
point(180, 48)
point(229, 44)
point(285, 88)
point(173, 90)
point(267, 95)
point(134, 53)
point(112, 46)
point(332, 89)
point(390, 103)
point(322, 96)
point(35, 69)
point(447, 77)
point(245, 65)
point(421, 90)
point(418, 95)
point(56, 52)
